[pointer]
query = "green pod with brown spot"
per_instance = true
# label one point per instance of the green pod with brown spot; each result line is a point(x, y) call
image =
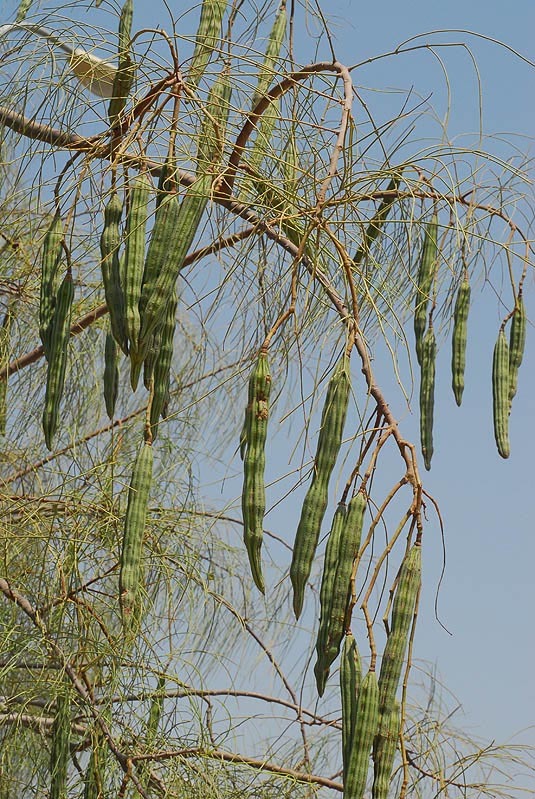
point(162, 366)
point(364, 731)
point(500, 394)
point(426, 275)
point(110, 241)
point(427, 394)
point(459, 339)
point(384, 750)
point(60, 331)
point(206, 39)
point(151, 356)
point(124, 76)
point(111, 374)
point(400, 627)
point(350, 680)
point(134, 254)
point(315, 504)
point(50, 261)
point(253, 491)
point(60, 752)
point(517, 343)
point(134, 530)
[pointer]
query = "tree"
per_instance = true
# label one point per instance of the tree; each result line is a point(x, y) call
point(137, 648)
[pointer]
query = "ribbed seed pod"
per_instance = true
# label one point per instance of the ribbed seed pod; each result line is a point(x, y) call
point(96, 768)
point(124, 77)
point(427, 394)
point(50, 261)
point(500, 394)
point(376, 224)
point(206, 39)
point(111, 374)
point(134, 254)
point(211, 139)
point(328, 587)
point(364, 731)
point(350, 680)
point(384, 751)
point(402, 617)
point(110, 241)
point(151, 356)
point(315, 504)
point(5, 347)
point(268, 71)
point(426, 275)
point(134, 529)
point(162, 366)
point(60, 752)
point(169, 246)
point(155, 713)
point(517, 343)
point(458, 341)
point(60, 331)
point(253, 492)
point(335, 588)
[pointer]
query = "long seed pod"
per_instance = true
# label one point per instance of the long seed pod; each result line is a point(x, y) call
point(50, 261)
point(335, 588)
point(5, 346)
point(111, 374)
point(426, 274)
point(60, 330)
point(253, 492)
point(151, 356)
point(315, 504)
point(427, 394)
point(155, 714)
point(162, 366)
point(350, 680)
point(402, 617)
point(60, 752)
point(134, 254)
point(110, 241)
point(96, 768)
point(458, 341)
point(268, 71)
point(134, 529)
point(206, 39)
point(376, 224)
point(124, 76)
point(328, 587)
point(364, 731)
point(211, 139)
point(384, 751)
point(500, 394)
point(517, 343)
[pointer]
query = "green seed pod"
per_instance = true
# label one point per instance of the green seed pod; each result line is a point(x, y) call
point(60, 331)
point(24, 7)
point(5, 347)
point(427, 394)
point(110, 241)
point(60, 752)
point(134, 529)
point(364, 731)
point(400, 627)
point(500, 394)
point(206, 39)
point(335, 588)
point(376, 225)
point(96, 768)
point(50, 261)
point(111, 374)
point(212, 133)
point(151, 356)
point(134, 254)
point(124, 77)
point(426, 275)
point(350, 680)
point(328, 587)
point(254, 493)
point(268, 70)
point(384, 751)
point(517, 342)
point(458, 341)
point(162, 366)
point(315, 503)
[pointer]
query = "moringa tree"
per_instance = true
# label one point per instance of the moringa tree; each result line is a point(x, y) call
point(202, 240)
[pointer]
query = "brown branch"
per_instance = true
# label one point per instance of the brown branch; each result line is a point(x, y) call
point(39, 723)
point(230, 757)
